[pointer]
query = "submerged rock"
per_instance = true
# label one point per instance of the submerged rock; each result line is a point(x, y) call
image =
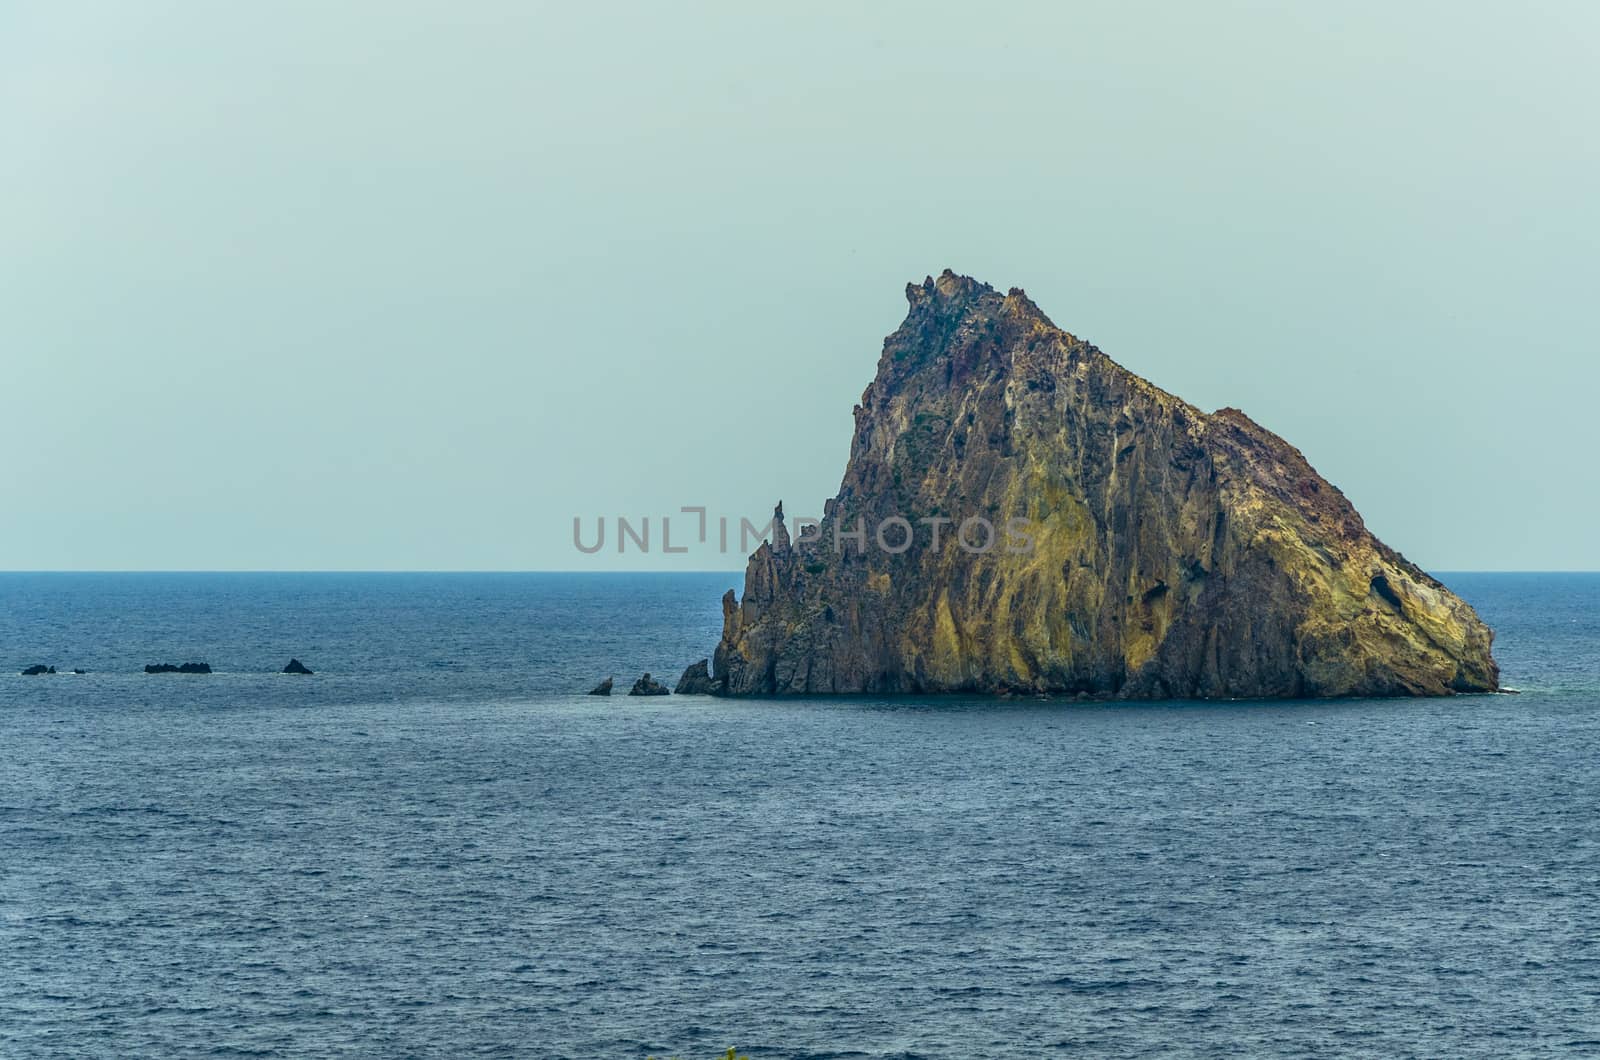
point(601, 689)
point(185, 668)
point(37, 669)
point(647, 687)
point(696, 680)
point(1158, 551)
point(297, 667)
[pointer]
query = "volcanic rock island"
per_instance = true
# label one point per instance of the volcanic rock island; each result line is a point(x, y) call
point(1138, 548)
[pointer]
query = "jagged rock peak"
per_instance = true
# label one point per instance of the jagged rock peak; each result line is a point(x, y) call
point(1168, 553)
point(951, 294)
point(780, 532)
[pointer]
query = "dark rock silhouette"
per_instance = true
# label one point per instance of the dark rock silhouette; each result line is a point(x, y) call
point(36, 670)
point(696, 680)
point(601, 689)
point(296, 667)
point(647, 687)
point(77, 671)
point(186, 668)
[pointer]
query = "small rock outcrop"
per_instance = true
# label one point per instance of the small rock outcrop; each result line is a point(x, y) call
point(37, 669)
point(696, 680)
point(603, 688)
point(1022, 514)
point(185, 668)
point(297, 667)
point(645, 686)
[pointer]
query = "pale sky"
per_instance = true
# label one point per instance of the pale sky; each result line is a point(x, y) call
point(409, 285)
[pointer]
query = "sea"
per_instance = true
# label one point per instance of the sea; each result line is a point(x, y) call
point(439, 846)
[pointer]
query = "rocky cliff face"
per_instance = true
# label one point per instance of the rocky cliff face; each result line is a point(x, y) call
point(1153, 550)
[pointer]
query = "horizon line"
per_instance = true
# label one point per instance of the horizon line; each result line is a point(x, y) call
point(568, 570)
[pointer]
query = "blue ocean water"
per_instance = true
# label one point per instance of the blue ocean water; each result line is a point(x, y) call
point(437, 847)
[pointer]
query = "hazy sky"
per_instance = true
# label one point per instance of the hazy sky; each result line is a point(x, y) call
point(410, 285)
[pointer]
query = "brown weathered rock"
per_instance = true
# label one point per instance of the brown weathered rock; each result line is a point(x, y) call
point(1172, 553)
point(601, 689)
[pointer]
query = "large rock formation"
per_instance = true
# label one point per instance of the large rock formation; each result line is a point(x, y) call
point(1161, 552)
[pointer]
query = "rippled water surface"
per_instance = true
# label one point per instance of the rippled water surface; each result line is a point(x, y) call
point(434, 848)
